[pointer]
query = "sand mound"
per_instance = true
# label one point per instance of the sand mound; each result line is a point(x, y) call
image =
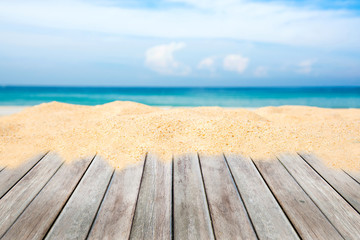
point(123, 132)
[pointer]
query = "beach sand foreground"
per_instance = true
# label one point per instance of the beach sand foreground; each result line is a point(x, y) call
point(123, 132)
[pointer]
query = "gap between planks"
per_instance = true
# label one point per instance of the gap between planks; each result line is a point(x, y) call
point(39, 216)
point(341, 182)
point(10, 177)
point(341, 214)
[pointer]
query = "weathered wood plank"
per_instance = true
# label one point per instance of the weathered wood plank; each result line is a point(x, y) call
point(35, 221)
point(75, 219)
point(117, 210)
point(305, 216)
point(267, 216)
point(16, 200)
point(228, 214)
point(354, 174)
point(191, 214)
point(9, 177)
point(338, 179)
point(152, 219)
point(344, 218)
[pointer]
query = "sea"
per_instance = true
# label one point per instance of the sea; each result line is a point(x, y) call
point(247, 97)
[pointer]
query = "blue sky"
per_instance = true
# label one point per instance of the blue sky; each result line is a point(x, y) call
point(180, 43)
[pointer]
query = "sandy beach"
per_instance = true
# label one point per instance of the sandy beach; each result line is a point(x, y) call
point(122, 132)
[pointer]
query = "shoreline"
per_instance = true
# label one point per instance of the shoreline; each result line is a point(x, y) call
point(11, 109)
point(6, 110)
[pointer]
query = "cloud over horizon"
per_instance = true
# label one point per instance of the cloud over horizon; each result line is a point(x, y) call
point(306, 66)
point(235, 62)
point(261, 71)
point(207, 63)
point(160, 59)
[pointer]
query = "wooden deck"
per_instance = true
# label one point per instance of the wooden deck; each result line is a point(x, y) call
point(193, 197)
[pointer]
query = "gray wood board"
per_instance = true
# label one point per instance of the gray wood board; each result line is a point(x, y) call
point(10, 176)
point(268, 219)
point(191, 214)
point(345, 219)
point(229, 216)
point(16, 200)
point(117, 210)
point(152, 218)
point(75, 219)
point(354, 174)
point(35, 221)
point(338, 179)
point(305, 216)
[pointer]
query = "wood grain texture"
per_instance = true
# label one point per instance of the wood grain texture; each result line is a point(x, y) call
point(354, 174)
point(16, 200)
point(345, 219)
point(75, 219)
point(267, 217)
point(152, 219)
point(117, 210)
point(191, 214)
point(305, 216)
point(10, 176)
point(229, 216)
point(35, 221)
point(337, 178)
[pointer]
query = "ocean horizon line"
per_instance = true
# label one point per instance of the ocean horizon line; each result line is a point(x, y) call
point(247, 97)
point(210, 87)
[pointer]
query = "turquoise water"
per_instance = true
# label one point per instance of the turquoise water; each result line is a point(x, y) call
point(330, 97)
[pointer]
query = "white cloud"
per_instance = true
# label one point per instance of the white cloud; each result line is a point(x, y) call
point(275, 21)
point(160, 59)
point(234, 62)
point(207, 63)
point(305, 66)
point(261, 71)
